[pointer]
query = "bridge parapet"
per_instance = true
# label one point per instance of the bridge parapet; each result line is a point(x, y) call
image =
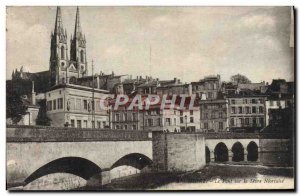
point(56, 134)
point(232, 135)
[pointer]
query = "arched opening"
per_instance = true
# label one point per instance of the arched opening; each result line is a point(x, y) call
point(221, 152)
point(238, 152)
point(62, 52)
point(252, 149)
point(72, 165)
point(82, 56)
point(207, 154)
point(73, 80)
point(129, 165)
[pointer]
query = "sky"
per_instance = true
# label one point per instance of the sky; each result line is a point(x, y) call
point(188, 43)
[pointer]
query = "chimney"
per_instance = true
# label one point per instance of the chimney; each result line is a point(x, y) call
point(33, 101)
point(190, 89)
point(98, 82)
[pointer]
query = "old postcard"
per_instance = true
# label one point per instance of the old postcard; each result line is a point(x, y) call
point(150, 98)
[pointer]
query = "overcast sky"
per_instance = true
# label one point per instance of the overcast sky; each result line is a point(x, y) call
point(186, 42)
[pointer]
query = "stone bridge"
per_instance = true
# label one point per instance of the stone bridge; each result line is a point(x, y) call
point(33, 152)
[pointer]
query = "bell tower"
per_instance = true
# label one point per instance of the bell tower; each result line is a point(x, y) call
point(78, 48)
point(59, 51)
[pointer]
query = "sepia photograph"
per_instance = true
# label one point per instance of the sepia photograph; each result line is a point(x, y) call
point(150, 98)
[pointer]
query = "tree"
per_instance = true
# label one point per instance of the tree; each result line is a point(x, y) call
point(15, 108)
point(239, 79)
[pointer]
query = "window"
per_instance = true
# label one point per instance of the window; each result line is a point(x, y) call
point(254, 101)
point(261, 122)
point(191, 119)
point(261, 110)
point(232, 122)
point(206, 125)
point(213, 115)
point(233, 110)
point(210, 95)
point(78, 123)
point(254, 109)
point(134, 127)
point(181, 119)
point(232, 101)
point(245, 101)
point(85, 124)
point(150, 122)
point(168, 121)
point(85, 105)
point(181, 113)
point(240, 110)
point(246, 121)
point(254, 122)
point(62, 52)
point(104, 124)
point(60, 103)
point(125, 117)
point(278, 103)
point(159, 122)
point(98, 124)
point(49, 105)
point(72, 123)
point(220, 114)
point(175, 121)
point(54, 104)
point(241, 122)
point(82, 56)
point(134, 116)
point(117, 117)
point(205, 115)
point(247, 110)
point(125, 127)
point(191, 112)
point(221, 126)
point(117, 127)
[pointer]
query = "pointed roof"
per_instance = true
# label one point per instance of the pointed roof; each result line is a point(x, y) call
point(58, 22)
point(77, 31)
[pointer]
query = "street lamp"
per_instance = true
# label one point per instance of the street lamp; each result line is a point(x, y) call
point(185, 122)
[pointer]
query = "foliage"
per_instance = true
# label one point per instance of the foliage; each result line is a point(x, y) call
point(15, 107)
point(239, 79)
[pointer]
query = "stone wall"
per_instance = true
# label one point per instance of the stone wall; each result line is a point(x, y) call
point(276, 152)
point(178, 152)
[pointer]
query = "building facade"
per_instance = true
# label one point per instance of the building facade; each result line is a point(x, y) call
point(207, 88)
point(72, 105)
point(214, 115)
point(246, 112)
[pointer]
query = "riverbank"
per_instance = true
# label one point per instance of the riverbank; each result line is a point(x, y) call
point(217, 175)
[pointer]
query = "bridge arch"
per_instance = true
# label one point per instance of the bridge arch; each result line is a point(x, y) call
point(207, 154)
point(135, 160)
point(73, 165)
point(238, 152)
point(252, 149)
point(221, 152)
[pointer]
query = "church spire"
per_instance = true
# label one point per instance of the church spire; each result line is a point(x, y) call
point(58, 22)
point(77, 31)
point(78, 47)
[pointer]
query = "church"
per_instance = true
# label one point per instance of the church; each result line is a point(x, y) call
point(72, 97)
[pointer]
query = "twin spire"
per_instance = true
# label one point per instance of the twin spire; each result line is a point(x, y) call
point(58, 29)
